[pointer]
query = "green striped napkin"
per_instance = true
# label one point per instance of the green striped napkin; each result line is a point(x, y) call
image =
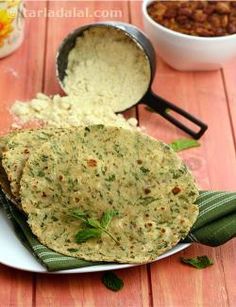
point(48, 258)
point(216, 224)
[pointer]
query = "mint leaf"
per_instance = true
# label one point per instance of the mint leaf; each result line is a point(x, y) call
point(112, 281)
point(93, 223)
point(200, 262)
point(182, 144)
point(78, 214)
point(86, 234)
point(107, 217)
point(94, 228)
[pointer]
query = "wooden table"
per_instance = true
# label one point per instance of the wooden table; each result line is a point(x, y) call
point(209, 95)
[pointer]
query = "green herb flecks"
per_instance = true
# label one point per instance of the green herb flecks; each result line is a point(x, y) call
point(182, 144)
point(144, 170)
point(200, 262)
point(72, 250)
point(72, 184)
point(111, 178)
point(118, 150)
point(41, 173)
point(44, 158)
point(112, 281)
point(94, 228)
point(146, 200)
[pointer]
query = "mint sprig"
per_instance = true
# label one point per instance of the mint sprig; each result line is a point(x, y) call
point(107, 217)
point(86, 234)
point(94, 228)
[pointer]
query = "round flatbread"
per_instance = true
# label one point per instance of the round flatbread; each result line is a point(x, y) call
point(98, 171)
point(17, 151)
point(4, 182)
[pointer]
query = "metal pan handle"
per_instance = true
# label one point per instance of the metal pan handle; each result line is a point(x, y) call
point(164, 107)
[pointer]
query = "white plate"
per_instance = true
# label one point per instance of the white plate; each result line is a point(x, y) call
point(15, 255)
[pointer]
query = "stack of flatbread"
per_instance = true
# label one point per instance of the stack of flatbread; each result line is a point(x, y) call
point(51, 173)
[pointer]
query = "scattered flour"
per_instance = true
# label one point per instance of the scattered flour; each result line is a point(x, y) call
point(67, 111)
point(107, 72)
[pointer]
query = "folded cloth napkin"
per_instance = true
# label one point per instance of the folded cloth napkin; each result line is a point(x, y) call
point(216, 224)
point(48, 258)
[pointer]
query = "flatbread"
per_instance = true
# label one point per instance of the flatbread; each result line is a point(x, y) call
point(17, 151)
point(4, 182)
point(99, 168)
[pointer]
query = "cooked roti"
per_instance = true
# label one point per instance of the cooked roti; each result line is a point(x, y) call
point(101, 169)
point(17, 151)
point(4, 182)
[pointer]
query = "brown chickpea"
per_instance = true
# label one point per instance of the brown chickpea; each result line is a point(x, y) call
point(199, 18)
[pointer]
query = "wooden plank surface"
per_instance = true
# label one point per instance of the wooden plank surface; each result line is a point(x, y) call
point(87, 290)
point(20, 77)
point(229, 78)
point(22, 72)
point(16, 287)
point(213, 164)
point(84, 290)
point(229, 251)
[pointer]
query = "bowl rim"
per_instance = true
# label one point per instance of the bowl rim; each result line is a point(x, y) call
point(118, 26)
point(179, 34)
